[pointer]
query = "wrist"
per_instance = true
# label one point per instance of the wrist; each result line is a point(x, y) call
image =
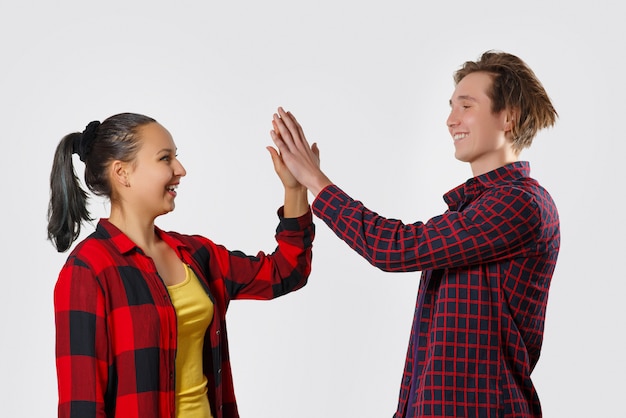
point(299, 188)
point(319, 183)
point(296, 202)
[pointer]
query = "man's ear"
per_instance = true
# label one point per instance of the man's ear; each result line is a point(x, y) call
point(510, 119)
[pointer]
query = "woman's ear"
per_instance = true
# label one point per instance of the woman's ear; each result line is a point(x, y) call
point(119, 174)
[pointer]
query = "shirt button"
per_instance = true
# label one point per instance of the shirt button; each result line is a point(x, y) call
point(217, 332)
point(219, 370)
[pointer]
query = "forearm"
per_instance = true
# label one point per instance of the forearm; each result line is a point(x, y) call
point(296, 202)
point(267, 276)
point(386, 243)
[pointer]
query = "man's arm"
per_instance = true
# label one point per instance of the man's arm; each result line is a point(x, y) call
point(485, 231)
point(498, 224)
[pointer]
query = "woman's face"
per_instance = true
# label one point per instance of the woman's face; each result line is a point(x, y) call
point(153, 177)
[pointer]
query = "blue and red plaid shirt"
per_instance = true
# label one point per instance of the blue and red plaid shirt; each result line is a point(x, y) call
point(116, 326)
point(486, 268)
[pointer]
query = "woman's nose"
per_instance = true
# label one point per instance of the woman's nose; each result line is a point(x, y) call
point(180, 170)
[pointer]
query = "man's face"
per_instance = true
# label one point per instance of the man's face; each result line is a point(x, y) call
point(478, 134)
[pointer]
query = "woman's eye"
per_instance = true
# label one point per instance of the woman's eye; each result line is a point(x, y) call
point(168, 157)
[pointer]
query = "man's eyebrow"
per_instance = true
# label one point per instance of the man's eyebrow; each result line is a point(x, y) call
point(464, 97)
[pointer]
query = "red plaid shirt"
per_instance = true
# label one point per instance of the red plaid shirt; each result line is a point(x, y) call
point(486, 268)
point(116, 326)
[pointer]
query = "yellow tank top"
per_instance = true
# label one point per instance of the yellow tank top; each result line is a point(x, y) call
point(194, 312)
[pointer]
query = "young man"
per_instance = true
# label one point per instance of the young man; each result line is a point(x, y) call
point(486, 262)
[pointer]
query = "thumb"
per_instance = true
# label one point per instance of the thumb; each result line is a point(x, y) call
point(276, 159)
point(316, 150)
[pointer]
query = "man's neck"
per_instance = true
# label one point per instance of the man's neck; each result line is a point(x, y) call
point(485, 166)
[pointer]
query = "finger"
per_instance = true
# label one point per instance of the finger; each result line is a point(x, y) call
point(275, 131)
point(300, 130)
point(278, 141)
point(297, 131)
point(275, 127)
point(315, 150)
point(283, 132)
point(289, 121)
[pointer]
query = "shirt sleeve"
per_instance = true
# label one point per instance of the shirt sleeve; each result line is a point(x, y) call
point(500, 223)
point(81, 357)
point(270, 275)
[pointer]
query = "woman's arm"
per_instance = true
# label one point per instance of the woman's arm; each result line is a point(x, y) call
point(263, 276)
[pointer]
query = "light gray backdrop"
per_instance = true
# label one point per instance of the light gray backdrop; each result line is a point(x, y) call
point(370, 82)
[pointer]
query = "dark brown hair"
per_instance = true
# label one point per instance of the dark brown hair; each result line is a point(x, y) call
point(115, 139)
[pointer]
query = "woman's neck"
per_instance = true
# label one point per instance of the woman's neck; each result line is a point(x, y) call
point(139, 229)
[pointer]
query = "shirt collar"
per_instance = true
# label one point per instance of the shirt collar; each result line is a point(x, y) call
point(124, 244)
point(467, 191)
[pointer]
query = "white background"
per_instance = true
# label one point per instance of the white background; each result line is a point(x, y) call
point(370, 82)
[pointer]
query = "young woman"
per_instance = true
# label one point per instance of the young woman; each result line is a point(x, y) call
point(140, 312)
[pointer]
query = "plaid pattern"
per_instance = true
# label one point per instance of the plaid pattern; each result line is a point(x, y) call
point(116, 326)
point(486, 268)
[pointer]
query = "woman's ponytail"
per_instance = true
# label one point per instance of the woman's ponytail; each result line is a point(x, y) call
point(68, 201)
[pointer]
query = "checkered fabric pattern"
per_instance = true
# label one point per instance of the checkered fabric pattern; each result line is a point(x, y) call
point(116, 326)
point(486, 264)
